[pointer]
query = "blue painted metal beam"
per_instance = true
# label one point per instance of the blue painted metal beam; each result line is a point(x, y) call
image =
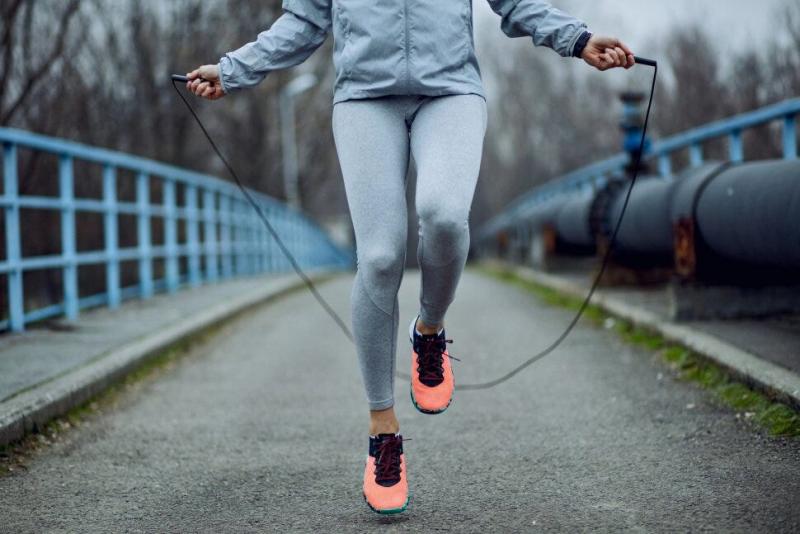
point(111, 236)
point(16, 305)
point(68, 248)
point(693, 139)
point(223, 210)
point(790, 137)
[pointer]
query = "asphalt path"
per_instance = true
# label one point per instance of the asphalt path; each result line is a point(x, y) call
point(263, 428)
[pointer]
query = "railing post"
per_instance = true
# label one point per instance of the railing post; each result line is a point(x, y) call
point(247, 234)
point(248, 242)
point(252, 243)
point(238, 237)
point(260, 258)
point(269, 248)
point(225, 235)
point(696, 155)
point(16, 305)
point(171, 236)
point(664, 165)
point(790, 137)
point(258, 238)
point(210, 234)
point(263, 248)
point(192, 235)
point(110, 235)
point(70, 270)
point(282, 231)
point(259, 242)
point(297, 247)
point(735, 149)
point(143, 235)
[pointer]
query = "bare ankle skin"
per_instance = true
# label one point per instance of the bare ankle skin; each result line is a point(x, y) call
point(383, 422)
point(427, 329)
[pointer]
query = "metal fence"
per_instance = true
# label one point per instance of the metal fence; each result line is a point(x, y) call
point(234, 241)
point(513, 218)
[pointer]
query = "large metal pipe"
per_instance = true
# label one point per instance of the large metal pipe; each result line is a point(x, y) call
point(646, 226)
point(751, 213)
point(543, 214)
point(654, 206)
point(572, 221)
point(748, 213)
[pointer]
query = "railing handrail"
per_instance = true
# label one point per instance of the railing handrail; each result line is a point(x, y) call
point(594, 172)
point(723, 127)
point(120, 160)
point(232, 242)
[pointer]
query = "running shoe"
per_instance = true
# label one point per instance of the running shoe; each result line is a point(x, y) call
point(385, 483)
point(432, 381)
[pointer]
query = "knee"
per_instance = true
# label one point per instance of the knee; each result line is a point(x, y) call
point(441, 220)
point(381, 263)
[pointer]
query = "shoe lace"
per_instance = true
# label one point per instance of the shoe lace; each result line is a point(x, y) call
point(430, 359)
point(387, 461)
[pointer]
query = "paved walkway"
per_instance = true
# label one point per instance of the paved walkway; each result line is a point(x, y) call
point(44, 352)
point(263, 429)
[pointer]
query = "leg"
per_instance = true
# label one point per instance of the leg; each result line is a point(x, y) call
point(446, 141)
point(372, 142)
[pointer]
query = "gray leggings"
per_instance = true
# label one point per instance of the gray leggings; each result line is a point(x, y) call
point(374, 139)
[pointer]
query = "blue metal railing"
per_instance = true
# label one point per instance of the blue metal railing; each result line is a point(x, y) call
point(596, 174)
point(234, 241)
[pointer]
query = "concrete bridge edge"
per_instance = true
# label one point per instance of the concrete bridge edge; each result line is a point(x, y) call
point(776, 382)
point(32, 409)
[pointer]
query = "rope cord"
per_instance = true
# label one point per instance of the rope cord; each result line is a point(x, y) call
point(343, 326)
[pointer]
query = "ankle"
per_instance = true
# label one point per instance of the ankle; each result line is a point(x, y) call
point(428, 330)
point(383, 428)
point(383, 422)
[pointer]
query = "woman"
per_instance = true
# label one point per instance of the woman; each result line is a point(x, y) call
point(407, 83)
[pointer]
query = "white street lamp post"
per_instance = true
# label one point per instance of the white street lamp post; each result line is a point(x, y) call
point(291, 182)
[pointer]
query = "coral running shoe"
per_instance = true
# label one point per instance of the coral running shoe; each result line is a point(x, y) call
point(385, 483)
point(432, 381)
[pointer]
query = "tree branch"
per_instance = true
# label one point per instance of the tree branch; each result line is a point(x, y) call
point(47, 64)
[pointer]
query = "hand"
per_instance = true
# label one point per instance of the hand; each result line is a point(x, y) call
point(605, 53)
point(204, 82)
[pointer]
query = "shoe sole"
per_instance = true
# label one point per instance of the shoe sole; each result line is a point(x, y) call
point(423, 410)
point(388, 511)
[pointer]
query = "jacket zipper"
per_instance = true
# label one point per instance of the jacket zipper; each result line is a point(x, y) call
point(407, 53)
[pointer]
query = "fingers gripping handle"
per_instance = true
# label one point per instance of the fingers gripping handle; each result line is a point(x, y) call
point(183, 79)
point(645, 61)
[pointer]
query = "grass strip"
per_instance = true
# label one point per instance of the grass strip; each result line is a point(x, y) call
point(776, 418)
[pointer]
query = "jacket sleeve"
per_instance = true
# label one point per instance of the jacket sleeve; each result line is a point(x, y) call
point(291, 39)
point(545, 24)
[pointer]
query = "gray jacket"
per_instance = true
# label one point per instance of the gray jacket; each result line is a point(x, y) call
point(393, 47)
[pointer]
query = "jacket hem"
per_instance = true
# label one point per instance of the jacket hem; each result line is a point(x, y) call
point(364, 94)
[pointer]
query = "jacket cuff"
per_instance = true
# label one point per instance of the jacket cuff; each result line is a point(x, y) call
point(224, 72)
point(579, 31)
point(580, 44)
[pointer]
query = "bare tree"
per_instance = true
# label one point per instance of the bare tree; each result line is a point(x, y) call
point(27, 60)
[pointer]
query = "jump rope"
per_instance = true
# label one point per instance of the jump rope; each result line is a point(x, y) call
point(335, 316)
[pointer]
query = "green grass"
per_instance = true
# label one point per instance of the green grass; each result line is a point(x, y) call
point(593, 313)
point(776, 418)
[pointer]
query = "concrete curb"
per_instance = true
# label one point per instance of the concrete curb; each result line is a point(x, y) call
point(32, 409)
point(777, 382)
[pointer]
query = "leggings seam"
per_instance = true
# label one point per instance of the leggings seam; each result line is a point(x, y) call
point(395, 321)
